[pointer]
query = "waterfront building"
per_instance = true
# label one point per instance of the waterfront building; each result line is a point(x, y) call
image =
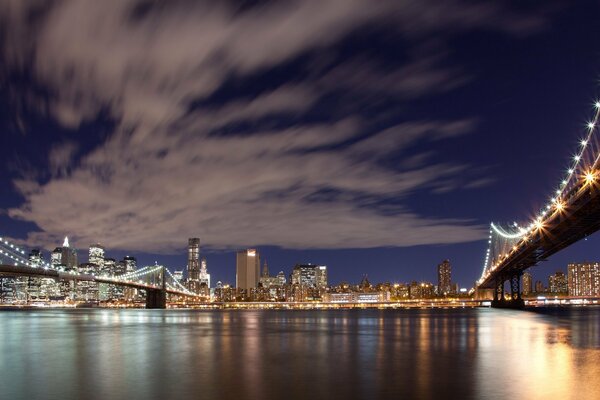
point(558, 283)
point(96, 255)
point(527, 283)
point(87, 291)
point(204, 279)
point(34, 284)
point(281, 278)
point(422, 290)
point(444, 271)
point(266, 281)
point(130, 262)
point(68, 262)
point(193, 266)
point(309, 275)
point(539, 287)
point(247, 269)
point(400, 291)
point(355, 297)
point(583, 279)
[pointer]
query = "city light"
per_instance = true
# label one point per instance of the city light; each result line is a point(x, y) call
point(590, 177)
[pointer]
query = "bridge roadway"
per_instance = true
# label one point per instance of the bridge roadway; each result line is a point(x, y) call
point(578, 218)
point(155, 294)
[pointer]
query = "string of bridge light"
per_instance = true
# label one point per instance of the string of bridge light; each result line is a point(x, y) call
point(183, 288)
point(556, 202)
point(21, 255)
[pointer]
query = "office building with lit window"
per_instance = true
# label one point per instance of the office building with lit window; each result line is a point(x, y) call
point(444, 271)
point(583, 279)
point(247, 269)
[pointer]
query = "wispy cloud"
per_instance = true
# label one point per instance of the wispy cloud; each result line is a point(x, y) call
point(163, 174)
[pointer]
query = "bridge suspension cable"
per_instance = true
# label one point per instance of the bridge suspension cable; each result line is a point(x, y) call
point(582, 172)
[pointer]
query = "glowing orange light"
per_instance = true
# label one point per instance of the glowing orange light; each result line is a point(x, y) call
point(590, 177)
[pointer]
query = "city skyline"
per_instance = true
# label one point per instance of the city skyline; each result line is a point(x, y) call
point(413, 175)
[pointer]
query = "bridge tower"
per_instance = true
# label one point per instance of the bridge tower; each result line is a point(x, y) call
point(157, 298)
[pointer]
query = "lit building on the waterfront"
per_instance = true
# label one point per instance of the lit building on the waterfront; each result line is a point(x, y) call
point(204, 279)
point(558, 283)
point(309, 275)
point(65, 258)
point(96, 255)
point(539, 287)
point(130, 266)
point(422, 290)
point(34, 284)
point(193, 266)
point(527, 283)
point(444, 272)
point(247, 269)
point(267, 281)
point(583, 279)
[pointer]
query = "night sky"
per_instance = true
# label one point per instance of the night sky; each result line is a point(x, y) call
point(377, 138)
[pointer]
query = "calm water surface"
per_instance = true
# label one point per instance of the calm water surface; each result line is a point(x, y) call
point(352, 354)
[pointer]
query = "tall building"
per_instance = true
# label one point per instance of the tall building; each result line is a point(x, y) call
point(444, 271)
point(193, 266)
point(583, 279)
point(67, 260)
point(557, 283)
point(130, 263)
point(130, 266)
point(96, 256)
point(69, 255)
point(204, 279)
point(34, 284)
point(309, 275)
point(247, 271)
point(527, 284)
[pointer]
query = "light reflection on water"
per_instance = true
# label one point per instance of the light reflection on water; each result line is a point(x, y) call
point(175, 354)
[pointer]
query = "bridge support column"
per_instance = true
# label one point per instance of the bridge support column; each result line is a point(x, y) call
point(156, 299)
point(515, 301)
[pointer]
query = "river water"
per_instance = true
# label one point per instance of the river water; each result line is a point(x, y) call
point(347, 354)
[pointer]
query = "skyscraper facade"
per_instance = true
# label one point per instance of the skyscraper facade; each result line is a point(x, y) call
point(193, 266)
point(309, 275)
point(527, 287)
point(247, 269)
point(558, 283)
point(583, 279)
point(204, 279)
point(444, 278)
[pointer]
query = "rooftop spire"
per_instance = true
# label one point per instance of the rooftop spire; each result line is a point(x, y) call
point(66, 242)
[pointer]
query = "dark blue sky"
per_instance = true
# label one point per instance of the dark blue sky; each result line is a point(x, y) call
point(377, 140)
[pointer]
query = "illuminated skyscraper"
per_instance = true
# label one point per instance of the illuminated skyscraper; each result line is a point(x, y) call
point(584, 279)
point(65, 258)
point(527, 283)
point(193, 266)
point(130, 263)
point(247, 269)
point(309, 275)
point(444, 278)
point(204, 279)
point(96, 256)
point(130, 266)
point(557, 283)
point(34, 284)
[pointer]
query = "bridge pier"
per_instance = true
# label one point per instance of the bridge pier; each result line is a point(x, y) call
point(156, 299)
point(515, 301)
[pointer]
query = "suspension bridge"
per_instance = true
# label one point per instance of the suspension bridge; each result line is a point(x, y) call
point(157, 281)
point(571, 214)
